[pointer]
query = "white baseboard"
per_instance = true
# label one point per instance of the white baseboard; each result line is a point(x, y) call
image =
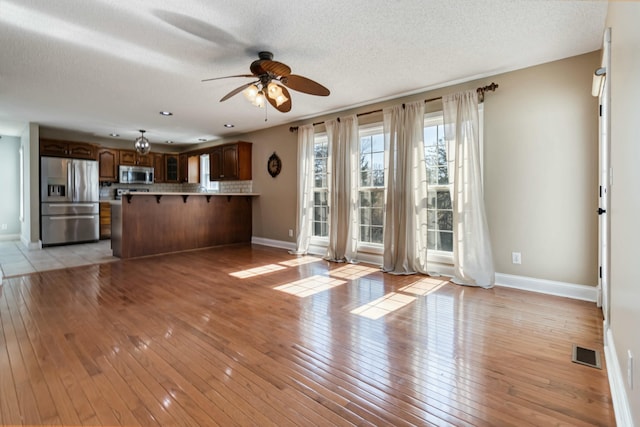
point(273, 243)
point(532, 284)
point(550, 287)
point(616, 383)
point(9, 237)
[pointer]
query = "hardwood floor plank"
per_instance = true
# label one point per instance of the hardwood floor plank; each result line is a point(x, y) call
point(210, 337)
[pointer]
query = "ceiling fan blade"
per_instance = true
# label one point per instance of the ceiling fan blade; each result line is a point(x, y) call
point(238, 90)
point(275, 67)
point(285, 107)
point(305, 85)
point(228, 77)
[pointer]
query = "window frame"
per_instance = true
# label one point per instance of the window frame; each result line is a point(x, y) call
point(364, 131)
point(315, 240)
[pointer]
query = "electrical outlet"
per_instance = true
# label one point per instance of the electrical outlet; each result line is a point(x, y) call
point(290, 232)
point(516, 257)
point(4, 226)
point(630, 369)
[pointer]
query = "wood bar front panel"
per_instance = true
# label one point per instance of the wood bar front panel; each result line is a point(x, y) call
point(150, 227)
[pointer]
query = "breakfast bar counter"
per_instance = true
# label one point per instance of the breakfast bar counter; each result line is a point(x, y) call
point(155, 223)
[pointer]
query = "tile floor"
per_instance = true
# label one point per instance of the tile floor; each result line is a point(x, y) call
point(16, 259)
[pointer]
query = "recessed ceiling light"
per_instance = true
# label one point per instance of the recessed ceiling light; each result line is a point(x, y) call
point(202, 139)
point(169, 142)
point(229, 125)
point(115, 135)
point(166, 113)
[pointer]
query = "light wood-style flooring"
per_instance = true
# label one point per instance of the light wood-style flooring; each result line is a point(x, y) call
point(249, 335)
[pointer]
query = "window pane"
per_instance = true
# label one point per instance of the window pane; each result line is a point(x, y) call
point(365, 198)
point(444, 200)
point(377, 217)
point(377, 198)
point(377, 161)
point(365, 216)
point(364, 234)
point(365, 179)
point(365, 144)
point(443, 175)
point(431, 240)
point(442, 154)
point(377, 235)
point(445, 220)
point(431, 219)
point(430, 135)
point(431, 199)
point(377, 142)
point(446, 241)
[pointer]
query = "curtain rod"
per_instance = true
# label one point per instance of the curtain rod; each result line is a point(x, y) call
point(481, 91)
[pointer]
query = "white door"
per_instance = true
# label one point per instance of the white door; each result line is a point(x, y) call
point(604, 169)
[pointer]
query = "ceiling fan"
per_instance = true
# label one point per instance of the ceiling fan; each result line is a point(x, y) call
point(273, 79)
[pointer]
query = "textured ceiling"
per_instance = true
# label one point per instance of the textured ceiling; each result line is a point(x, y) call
point(104, 66)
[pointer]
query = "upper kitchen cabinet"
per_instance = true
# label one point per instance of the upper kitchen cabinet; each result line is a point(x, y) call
point(159, 174)
point(230, 162)
point(132, 158)
point(171, 168)
point(75, 150)
point(108, 164)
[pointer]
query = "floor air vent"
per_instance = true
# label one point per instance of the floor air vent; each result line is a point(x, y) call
point(586, 356)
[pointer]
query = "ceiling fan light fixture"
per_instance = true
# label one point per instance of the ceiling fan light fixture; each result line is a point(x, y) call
point(274, 90)
point(281, 99)
point(260, 100)
point(141, 144)
point(250, 93)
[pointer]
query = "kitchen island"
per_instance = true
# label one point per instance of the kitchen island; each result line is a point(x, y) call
point(155, 223)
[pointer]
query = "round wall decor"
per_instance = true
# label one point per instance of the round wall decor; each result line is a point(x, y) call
point(274, 165)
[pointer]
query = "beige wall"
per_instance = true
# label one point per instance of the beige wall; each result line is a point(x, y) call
point(623, 18)
point(540, 170)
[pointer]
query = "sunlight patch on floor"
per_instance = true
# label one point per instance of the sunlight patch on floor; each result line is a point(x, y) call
point(309, 286)
point(384, 305)
point(257, 271)
point(352, 271)
point(300, 261)
point(424, 286)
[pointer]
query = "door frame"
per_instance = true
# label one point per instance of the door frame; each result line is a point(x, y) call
point(604, 183)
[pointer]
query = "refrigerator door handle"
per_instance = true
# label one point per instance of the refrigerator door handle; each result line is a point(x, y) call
point(62, 218)
point(71, 205)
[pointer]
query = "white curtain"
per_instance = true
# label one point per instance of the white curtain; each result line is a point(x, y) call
point(305, 188)
point(343, 206)
point(472, 257)
point(405, 225)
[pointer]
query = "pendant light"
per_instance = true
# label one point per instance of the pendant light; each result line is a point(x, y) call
point(141, 143)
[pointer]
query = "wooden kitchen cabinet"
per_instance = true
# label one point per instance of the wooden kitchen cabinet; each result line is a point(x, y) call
point(75, 150)
point(132, 158)
point(183, 168)
point(230, 162)
point(158, 167)
point(105, 220)
point(108, 164)
point(171, 168)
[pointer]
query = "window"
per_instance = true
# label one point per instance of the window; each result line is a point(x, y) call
point(320, 220)
point(439, 206)
point(371, 185)
point(205, 174)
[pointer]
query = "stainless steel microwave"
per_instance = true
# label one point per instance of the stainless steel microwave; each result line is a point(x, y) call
point(135, 174)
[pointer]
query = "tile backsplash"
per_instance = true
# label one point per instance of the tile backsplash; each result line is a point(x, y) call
point(109, 191)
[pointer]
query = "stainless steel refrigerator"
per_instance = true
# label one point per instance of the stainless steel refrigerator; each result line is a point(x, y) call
point(69, 196)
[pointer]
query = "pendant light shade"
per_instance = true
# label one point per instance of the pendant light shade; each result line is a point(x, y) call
point(141, 143)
